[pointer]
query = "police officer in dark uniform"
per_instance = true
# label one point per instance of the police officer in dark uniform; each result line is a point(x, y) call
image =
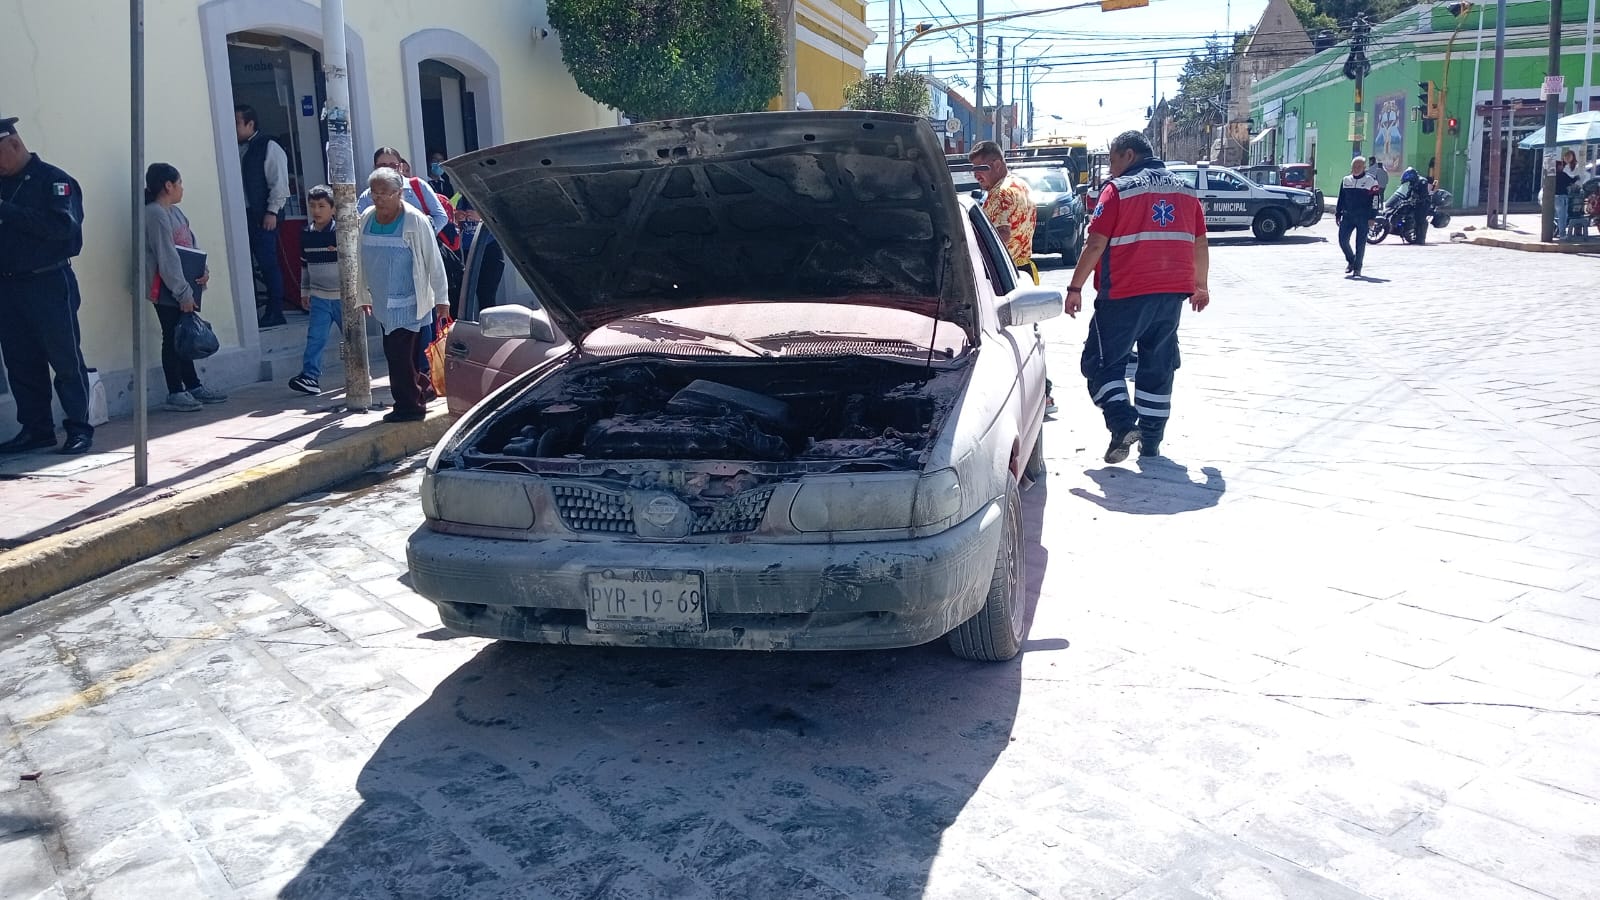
point(41, 229)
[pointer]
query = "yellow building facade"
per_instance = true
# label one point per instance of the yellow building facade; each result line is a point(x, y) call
point(830, 40)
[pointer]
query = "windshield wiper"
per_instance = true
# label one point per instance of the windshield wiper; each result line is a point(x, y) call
point(711, 335)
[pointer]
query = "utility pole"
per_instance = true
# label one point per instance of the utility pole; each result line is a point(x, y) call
point(893, 42)
point(999, 91)
point(342, 178)
point(980, 130)
point(141, 277)
point(1356, 67)
point(1552, 113)
point(1496, 132)
point(1459, 10)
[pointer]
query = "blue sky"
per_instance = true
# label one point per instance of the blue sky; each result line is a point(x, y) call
point(1099, 75)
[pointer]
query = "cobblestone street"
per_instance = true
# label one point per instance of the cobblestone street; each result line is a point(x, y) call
point(1343, 641)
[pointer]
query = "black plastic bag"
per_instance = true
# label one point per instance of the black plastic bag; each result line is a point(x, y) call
point(193, 338)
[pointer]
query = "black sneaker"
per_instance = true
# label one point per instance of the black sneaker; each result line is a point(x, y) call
point(305, 384)
point(1149, 448)
point(398, 416)
point(1121, 441)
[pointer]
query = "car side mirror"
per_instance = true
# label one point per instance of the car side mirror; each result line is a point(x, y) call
point(512, 321)
point(1027, 306)
point(1081, 190)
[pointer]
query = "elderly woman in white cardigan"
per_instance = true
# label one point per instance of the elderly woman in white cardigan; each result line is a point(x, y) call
point(401, 283)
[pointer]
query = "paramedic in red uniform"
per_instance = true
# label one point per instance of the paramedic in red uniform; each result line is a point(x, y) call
point(1147, 249)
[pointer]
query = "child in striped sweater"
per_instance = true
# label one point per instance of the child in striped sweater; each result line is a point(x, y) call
point(319, 282)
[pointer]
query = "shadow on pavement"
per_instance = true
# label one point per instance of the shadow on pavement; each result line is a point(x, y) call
point(595, 772)
point(1161, 488)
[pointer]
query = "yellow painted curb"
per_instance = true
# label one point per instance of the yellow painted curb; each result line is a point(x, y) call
point(1532, 247)
point(49, 565)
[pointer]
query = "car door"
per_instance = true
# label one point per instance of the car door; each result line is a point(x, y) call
point(1226, 198)
point(998, 278)
point(475, 365)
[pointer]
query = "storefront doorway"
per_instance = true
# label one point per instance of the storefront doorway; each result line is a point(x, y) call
point(281, 79)
point(449, 109)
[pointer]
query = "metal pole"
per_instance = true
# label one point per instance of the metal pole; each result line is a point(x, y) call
point(141, 278)
point(1588, 63)
point(999, 91)
point(1497, 210)
point(791, 84)
point(342, 177)
point(978, 131)
point(1444, 108)
point(1472, 105)
point(893, 42)
point(1552, 113)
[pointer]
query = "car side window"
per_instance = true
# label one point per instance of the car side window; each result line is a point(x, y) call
point(996, 262)
point(1188, 176)
point(1222, 181)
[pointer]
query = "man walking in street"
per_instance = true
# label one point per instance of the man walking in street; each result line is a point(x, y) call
point(1359, 196)
point(1008, 205)
point(41, 229)
point(1147, 250)
point(265, 169)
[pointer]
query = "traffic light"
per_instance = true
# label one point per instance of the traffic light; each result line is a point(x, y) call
point(1455, 125)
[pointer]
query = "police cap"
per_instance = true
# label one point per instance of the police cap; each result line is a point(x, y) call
point(8, 126)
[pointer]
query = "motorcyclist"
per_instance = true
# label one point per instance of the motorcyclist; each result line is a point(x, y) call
point(1414, 193)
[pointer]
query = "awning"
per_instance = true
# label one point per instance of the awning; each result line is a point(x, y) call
point(1264, 135)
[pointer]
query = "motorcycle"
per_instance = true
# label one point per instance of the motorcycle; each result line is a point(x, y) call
point(1398, 219)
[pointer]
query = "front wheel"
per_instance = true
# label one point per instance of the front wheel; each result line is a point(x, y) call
point(1270, 225)
point(994, 634)
point(1377, 230)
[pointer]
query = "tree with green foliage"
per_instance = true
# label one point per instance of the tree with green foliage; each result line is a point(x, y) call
point(1337, 15)
point(1201, 85)
point(905, 92)
point(661, 59)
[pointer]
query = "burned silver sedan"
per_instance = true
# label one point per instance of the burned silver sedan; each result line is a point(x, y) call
point(803, 395)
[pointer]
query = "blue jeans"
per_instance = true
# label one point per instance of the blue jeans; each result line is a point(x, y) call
point(325, 313)
point(1563, 205)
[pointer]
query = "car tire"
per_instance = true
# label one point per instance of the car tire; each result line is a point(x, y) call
point(994, 634)
point(1270, 225)
point(1036, 470)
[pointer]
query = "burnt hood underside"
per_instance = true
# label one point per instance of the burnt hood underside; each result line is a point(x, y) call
point(828, 206)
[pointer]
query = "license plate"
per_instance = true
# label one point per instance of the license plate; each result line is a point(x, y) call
point(646, 600)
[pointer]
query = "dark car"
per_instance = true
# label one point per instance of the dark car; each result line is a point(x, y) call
point(1059, 208)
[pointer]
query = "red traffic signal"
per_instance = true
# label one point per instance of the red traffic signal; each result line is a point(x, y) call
point(1455, 125)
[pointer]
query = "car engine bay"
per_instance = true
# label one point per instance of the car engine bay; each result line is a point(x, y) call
point(878, 413)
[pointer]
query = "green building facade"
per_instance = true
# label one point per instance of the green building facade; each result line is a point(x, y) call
point(1305, 112)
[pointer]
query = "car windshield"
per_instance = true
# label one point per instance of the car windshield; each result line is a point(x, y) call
point(1052, 181)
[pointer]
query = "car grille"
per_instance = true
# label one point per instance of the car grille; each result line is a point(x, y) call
point(597, 510)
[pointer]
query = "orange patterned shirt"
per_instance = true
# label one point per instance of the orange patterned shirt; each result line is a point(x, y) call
point(1010, 204)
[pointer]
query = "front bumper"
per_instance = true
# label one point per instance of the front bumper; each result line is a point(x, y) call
point(759, 596)
point(1058, 234)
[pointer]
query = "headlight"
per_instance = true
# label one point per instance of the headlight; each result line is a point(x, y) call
point(875, 502)
point(1064, 209)
point(1302, 200)
point(476, 498)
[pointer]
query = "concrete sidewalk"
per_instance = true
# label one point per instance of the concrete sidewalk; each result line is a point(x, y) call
point(65, 520)
point(1521, 233)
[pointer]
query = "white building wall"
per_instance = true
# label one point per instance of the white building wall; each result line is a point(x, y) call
point(67, 78)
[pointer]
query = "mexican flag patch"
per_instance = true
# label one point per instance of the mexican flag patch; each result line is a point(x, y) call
point(62, 189)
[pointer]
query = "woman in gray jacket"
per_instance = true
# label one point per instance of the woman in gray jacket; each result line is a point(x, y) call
point(166, 228)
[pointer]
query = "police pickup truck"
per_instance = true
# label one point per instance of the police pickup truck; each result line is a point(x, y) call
point(1233, 202)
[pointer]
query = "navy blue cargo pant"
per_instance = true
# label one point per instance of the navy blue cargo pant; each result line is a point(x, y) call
point(40, 335)
point(1150, 323)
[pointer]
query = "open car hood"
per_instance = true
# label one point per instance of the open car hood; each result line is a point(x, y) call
point(846, 207)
